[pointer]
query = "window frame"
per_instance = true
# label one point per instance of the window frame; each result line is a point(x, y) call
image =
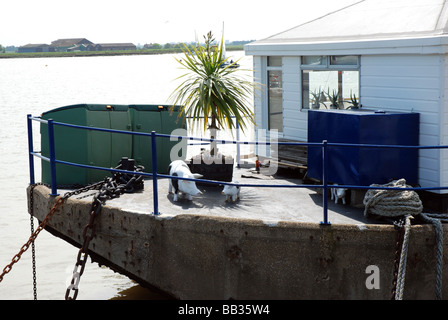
point(328, 66)
point(268, 109)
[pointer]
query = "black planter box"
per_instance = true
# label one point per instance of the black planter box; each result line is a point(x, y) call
point(214, 171)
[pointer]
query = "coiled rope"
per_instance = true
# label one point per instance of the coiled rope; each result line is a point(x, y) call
point(405, 203)
point(392, 203)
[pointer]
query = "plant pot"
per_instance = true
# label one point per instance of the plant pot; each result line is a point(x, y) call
point(219, 168)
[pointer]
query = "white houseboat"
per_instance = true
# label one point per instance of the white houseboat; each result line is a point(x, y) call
point(390, 54)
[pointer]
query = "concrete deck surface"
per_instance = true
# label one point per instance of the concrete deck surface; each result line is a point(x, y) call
point(270, 205)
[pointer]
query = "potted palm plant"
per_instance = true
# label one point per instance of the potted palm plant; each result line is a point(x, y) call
point(213, 91)
point(333, 97)
point(355, 102)
point(318, 98)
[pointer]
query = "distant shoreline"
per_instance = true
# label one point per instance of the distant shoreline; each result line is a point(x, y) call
point(100, 53)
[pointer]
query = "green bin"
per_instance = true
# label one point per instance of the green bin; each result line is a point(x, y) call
point(90, 147)
point(158, 118)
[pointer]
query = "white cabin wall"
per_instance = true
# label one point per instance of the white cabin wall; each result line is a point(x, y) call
point(444, 121)
point(408, 83)
point(295, 121)
point(259, 67)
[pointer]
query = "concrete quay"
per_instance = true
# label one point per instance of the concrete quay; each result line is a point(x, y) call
point(268, 245)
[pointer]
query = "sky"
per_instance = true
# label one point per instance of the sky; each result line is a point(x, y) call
point(146, 21)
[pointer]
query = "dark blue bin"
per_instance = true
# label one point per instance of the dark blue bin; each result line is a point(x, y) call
point(364, 166)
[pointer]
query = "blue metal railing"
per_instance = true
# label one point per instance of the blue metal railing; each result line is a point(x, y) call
point(153, 135)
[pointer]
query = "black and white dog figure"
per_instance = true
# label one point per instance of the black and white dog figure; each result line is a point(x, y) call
point(179, 168)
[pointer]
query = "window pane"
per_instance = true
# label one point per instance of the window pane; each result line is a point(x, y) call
point(350, 85)
point(314, 60)
point(274, 61)
point(317, 85)
point(275, 108)
point(344, 60)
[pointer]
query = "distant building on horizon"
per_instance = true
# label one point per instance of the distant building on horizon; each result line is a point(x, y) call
point(81, 47)
point(41, 47)
point(11, 49)
point(115, 46)
point(75, 44)
point(62, 45)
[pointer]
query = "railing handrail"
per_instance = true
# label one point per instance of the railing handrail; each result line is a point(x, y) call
point(223, 141)
point(324, 144)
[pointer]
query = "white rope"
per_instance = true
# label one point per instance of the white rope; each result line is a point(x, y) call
point(392, 203)
point(436, 220)
point(403, 259)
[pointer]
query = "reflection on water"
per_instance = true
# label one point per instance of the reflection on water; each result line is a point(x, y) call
point(138, 292)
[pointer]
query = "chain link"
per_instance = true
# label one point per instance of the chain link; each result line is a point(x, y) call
point(111, 188)
point(84, 251)
point(33, 249)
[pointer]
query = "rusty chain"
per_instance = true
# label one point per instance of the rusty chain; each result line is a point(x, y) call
point(83, 251)
point(59, 202)
point(33, 249)
point(111, 188)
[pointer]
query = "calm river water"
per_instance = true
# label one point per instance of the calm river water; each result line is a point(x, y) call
point(32, 86)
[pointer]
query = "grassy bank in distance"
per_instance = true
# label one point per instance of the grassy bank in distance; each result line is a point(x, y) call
point(99, 53)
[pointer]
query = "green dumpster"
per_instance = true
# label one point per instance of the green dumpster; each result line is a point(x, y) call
point(105, 149)
point(148, 118)
point(96, 148)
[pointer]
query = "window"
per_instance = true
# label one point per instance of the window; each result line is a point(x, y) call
point(275, 94)
point(313, 60)
point(325, 77)
point(274, 61)
point(275, 101)
point(344, 60)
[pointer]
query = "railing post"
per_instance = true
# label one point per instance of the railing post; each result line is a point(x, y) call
point(154, 173)
point(52, 158)
point(325, 183)
point(30, 148)
point(238, 155)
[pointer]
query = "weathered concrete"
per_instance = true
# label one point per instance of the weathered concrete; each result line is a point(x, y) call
point(269, 245)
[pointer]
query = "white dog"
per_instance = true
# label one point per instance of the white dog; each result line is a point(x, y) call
point(231, 192)
point(338, 193)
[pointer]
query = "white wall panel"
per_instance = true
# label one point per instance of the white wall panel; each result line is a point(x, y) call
point(409, 83)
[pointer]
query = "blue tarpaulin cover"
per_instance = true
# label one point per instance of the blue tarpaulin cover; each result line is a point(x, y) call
point(364, 166)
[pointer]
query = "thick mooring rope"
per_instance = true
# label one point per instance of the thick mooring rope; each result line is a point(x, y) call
point(436, 220)
point(405, 203)
point(403, 259)
point(392, 203)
